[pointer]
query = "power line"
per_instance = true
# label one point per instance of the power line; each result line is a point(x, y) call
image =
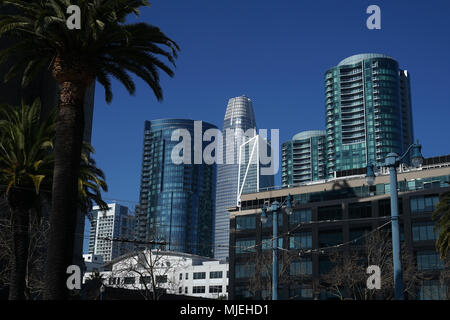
point(132, 241)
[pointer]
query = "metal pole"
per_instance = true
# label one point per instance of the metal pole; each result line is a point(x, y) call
point(275, 256)
point(398, 274)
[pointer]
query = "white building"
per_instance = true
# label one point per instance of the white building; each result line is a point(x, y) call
point(116, 223)
point(175, 272)
point(93, 262)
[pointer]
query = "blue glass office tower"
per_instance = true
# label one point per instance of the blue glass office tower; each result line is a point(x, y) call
point(368, 111)
point(176, 200)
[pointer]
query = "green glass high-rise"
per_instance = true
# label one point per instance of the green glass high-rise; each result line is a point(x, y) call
point(368, 111)
point(303, 158)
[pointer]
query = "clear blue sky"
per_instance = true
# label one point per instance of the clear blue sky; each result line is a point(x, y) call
point(275, 52)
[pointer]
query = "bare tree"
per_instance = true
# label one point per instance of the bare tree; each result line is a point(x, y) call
point(154, 271)
point(260, 281)
point(348, 278)
point(38, 235)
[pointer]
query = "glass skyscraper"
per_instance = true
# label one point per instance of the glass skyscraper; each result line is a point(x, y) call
point(239, 121)
point(368, 111)
point(303, 158)
point(176, 200)
point(250, 176)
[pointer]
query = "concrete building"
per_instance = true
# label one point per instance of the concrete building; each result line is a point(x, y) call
point(174, 272)
point(336, 214)
point(116, 223)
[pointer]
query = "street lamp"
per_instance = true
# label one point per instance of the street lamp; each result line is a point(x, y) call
point(392, 161)
point(274, 207)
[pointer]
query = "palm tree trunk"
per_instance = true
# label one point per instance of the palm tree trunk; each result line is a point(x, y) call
point(19, 259)
point(63, 215)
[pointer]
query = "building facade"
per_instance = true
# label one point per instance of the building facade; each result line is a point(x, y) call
point(254, 175)
point(176, 204)
point(303, 159)
point(174, 272)
point(368, 111)
point(239, 119)
point(336, 215)
point(93, 262)
point(116, 223)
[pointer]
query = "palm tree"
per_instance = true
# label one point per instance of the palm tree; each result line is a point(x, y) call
point(25, 162)
point(105, 46)
point(91, 182)
point(26, 171)
point(442, 217)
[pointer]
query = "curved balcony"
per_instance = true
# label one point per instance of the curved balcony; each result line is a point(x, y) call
point(352, 79)
point(351, 85)
point(352, 110)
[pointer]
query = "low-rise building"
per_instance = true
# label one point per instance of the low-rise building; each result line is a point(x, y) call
point(172, 272)
point(93, 262)
point(336, 214)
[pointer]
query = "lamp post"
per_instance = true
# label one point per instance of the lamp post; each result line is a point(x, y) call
point(274, 207)
point(392, 161)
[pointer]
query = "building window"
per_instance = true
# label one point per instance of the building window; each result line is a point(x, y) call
point(384, 207)
point(215, 274)
point(423, 204)
point(360, 210)
point(325, 265)
point(267, 243)
point(246, 222)
point(300, 216)
point(357, 235)
point(129, 280)
point(245, 246)
point(269, 222)
point(198, 289)
point(329, 213)
point(145, 279)
point(161, 279)
point(199, 275)
point(302, 267)
point(215, 289)
point(186, 290)
point(432, 290)
point(187, 276)
point(244, 270)
point(423, 231)
point(299, 293)
point(181, 276)
point(301, 241)
point(180, 290)
point(330, 238)
point(242, 293)
point(429, 260)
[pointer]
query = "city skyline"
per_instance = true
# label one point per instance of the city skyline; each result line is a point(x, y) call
point(288, 92)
